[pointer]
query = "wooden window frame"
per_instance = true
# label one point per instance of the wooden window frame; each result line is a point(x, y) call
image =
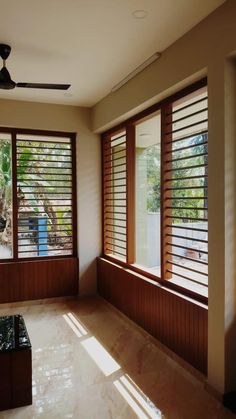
point(107, 170)
point(129, 127)
point(72, 136)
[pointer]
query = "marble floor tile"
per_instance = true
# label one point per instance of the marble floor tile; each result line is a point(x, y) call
point(89, 361)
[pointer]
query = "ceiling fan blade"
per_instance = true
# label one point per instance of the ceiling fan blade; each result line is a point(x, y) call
point(43, 86)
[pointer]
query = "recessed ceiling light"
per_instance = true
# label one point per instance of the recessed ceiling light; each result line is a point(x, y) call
point(139, 14)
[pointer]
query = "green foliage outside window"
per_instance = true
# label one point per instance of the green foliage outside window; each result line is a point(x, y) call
point(36, 192)
point(152, 155)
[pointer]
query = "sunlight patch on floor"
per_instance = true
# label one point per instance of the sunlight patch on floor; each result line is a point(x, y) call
point(76, 322)
point(128, 389)
point(72, 325)
point(136, 393)
point(101, 357)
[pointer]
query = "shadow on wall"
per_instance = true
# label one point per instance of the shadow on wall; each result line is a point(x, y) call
point(88, 279)
point(89, 210)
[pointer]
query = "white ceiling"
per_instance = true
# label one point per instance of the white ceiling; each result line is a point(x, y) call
point(92, 44)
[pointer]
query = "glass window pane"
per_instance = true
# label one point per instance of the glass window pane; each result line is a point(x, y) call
point(6, 240)
point(147, 190)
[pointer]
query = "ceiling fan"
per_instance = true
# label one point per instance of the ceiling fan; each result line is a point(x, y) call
point(7, 83)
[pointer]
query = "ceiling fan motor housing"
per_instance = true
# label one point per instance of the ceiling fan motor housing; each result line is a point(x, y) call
point(4, 51)
point(7, 83)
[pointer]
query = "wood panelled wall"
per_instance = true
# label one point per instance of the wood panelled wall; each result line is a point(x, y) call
point(176, 321)
point(30, 280)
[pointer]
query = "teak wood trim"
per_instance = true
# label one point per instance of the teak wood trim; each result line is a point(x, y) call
point(107, 196)
point(14, 198)
point(178, 322)
point(130, 212)
point(166, 146)
point(27, 131)
point(106, 166)
point(39, 278)
point(70, 135)
point(74, 195)
point(102, 140)
point(167, 284)
point(165, 106)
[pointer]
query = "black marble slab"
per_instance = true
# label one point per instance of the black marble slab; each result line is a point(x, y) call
point(13, 334)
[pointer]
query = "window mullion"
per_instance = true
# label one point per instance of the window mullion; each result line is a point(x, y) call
point(14, 197)
point(130, 222)
point(74, 197)
point(166, 145)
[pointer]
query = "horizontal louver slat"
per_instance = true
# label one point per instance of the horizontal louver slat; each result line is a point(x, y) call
point(185, 189)
point(45, 197)
point(115, 196)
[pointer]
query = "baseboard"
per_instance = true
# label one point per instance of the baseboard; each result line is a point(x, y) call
point(37, 302)
point(229, 401)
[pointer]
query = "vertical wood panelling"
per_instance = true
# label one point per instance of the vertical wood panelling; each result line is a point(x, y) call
point(20, 281)
point(178, 322)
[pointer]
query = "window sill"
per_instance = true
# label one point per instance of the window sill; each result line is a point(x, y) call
point(194, 291)
point(184, 284)
point(36, 259)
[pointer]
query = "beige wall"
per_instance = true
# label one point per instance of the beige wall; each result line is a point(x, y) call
point(209, 48)
point(185, 60)
point(70, 118)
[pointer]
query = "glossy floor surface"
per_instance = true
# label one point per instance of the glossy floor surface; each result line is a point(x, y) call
point(89, 361)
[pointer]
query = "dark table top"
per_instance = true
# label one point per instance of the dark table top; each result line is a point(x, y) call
point(13, 334)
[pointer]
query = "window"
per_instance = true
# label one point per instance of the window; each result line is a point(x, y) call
point(155, 192)
point(185, 201)
point(115, 199)
point(38, 206)
point(6, 236)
